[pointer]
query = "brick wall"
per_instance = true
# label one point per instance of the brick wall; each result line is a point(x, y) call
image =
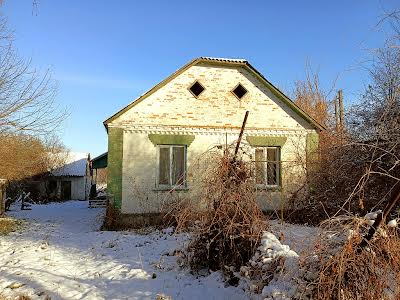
point(173, 104)
point(213, 117)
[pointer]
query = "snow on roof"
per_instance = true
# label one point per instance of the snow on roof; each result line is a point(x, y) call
point(70, 164)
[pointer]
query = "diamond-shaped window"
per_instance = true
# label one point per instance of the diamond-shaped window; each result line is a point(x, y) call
point(239, 91)
point(196, 89)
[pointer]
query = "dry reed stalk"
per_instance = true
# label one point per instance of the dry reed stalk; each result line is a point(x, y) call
point(344, 272)
point(227, 221)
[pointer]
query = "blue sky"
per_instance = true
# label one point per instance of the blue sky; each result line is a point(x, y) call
point(103, 54)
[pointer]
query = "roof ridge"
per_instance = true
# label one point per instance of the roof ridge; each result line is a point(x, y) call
point(223, 59)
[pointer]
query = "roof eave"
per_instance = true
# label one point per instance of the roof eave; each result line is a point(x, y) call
point(288, 101)
point(100, 156)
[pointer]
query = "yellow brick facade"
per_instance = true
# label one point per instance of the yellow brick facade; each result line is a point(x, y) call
point(213, 118)
point(173, 104)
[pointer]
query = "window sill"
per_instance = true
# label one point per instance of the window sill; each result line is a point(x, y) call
point(171, 189)
point(269, 188)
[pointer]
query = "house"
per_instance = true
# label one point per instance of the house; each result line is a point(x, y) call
point(69, 179)
point(154, 140)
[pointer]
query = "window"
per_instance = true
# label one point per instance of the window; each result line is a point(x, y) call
point(239, 91)
point(267, 166)
point(171, 166)
point(196, 89)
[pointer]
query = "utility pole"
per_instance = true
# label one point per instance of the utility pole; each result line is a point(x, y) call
point(339, 112)
point(336, 114)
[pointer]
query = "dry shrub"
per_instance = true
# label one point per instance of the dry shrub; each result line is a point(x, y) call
point(7, 225)
point(353, 177)
point(359, 163)
point(110, 216)
point(25, 156)
point(180, 213)
point(223, 207)
point(311, 97)
point(19, 297)
point(24, 297)
point(344, 270)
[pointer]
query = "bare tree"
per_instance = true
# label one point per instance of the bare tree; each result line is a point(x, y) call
point(376, 121)
point(358, 173)
point(310, 96)
point(392, 18)
point(27, 96)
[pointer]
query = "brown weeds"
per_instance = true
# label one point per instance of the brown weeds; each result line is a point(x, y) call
point(344, 270)
point(226, 220)
point(7, 225)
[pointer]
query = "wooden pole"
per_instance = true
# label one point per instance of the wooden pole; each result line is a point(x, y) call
point(241, 134)
point(226, 143)
point(2, 196)
point(336, 114)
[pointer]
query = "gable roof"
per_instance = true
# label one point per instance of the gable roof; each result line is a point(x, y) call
point(222, 61)
point(70, 164)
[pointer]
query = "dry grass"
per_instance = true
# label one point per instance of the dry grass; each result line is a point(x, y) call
point(20, 297)
point(344, 270)
point(8, 225)
point(222, 213)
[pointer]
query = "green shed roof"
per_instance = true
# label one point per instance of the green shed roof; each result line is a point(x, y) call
point(100, 161)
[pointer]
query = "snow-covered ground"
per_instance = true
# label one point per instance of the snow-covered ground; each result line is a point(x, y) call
point(299, 238)
point(61, 253)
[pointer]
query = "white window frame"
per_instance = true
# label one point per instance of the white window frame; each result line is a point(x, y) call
point(170, 185)
point(265, 162)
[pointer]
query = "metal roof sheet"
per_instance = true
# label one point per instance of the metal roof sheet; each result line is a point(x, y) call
point(71, 164)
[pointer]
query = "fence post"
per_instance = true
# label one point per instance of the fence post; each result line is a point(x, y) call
point(2, 195)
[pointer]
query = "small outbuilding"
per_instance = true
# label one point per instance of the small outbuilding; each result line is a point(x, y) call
point(70, 179)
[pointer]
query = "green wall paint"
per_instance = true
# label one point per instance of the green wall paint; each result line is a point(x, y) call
point(312, 141)
point(260, 141)
point(171, 139)
point(115, 152)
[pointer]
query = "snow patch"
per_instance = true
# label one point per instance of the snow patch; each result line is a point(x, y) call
point(61, 253)
point(392, 223)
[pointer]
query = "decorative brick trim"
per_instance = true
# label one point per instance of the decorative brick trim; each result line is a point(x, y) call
point(188, 130)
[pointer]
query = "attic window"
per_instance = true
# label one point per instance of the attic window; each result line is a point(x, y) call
point(239, 91)
point(196, 89)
